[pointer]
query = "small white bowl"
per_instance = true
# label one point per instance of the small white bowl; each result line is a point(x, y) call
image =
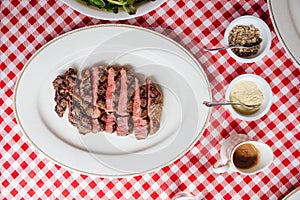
point(265, 34)
point(263, 86)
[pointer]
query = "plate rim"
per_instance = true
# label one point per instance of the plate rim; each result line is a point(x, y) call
point(199, 133)
point(279, 34)
point(290, 194)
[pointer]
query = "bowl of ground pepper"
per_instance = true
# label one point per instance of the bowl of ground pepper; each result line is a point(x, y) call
point(248, 31)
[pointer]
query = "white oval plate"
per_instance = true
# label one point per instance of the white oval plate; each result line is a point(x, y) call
point(293, 195)
point(285, 17)
point(122, 15)
point(183, 81)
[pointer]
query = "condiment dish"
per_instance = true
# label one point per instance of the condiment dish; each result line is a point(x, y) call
point(265, 35)
point(263, 86)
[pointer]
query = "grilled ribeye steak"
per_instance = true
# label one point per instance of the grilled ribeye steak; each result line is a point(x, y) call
point(139, 111)
point(67, 94)
point(61, 95)
point(110, 99)
point(154, 106)
point(64, 86)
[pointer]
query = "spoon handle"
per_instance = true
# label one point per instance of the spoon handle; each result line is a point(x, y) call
point(228, 47)
point(210, 104)
point(216, 49)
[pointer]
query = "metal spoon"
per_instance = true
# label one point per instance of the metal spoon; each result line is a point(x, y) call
point(235, 46)
point(210, 104)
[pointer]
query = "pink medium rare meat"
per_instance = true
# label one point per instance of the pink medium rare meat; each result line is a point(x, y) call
point(110, 123)
point(123, 97)
point(126, 88)
point(155, 102)
point(140, 124)
point(96, 125)
point(110, 92)
point(111, 87)
point(141, 128)
point(109, 99)
point(122, 119)
point(122, 126)
point(136, 109)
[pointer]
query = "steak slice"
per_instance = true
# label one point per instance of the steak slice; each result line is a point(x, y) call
point(140, 123)
point(122, 126)
point(111, 87)
point(97, 112)
point(110, 92)
point(78, 118)
point(155, 103)
point(64, 86)
point(61, 95)
point(86, 91)
point(77, 112)
point(110, 125)
point(124, 121)
point(127, 87)
point(144, 100)
point(102, 120)
point(102, 88)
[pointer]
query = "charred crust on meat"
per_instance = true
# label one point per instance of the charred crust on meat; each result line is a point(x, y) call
point(86, 101)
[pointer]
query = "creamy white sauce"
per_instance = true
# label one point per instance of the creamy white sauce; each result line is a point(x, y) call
point(246, 92)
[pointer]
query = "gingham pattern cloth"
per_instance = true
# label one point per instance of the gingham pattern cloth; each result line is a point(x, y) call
point(25, 173)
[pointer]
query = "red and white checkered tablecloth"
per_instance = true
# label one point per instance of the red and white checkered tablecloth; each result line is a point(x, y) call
point(25, 173)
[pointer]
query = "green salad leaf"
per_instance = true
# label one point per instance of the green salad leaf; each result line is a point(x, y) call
point(130, 6)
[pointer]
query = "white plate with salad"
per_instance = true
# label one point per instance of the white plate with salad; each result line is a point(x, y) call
point(114, 9)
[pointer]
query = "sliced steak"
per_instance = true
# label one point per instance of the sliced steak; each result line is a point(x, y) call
point(86, 90)
point(122, 126)
point(77, 112)
point(140, 128)
point(64, 86)
point(123, 94)
point(155, 103)
point(124, 121)
point(144, 100)
point(97, 112)
point(102, 120)
point(111, 87)
point(140, 123)
point(78, 118)
point(110, 125)
point(61, 95)
point(102, 88)
point(72, 81)
point(126, 91)
point(109, 99)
